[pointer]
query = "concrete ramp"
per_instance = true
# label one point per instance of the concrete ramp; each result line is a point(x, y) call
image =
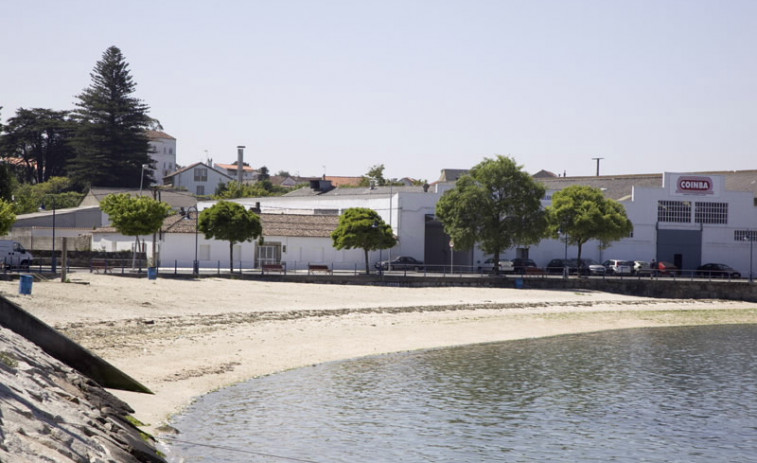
point(64, 349)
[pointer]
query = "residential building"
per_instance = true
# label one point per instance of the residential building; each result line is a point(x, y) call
point(163, 152)
point(248, 173)
point(198, 178)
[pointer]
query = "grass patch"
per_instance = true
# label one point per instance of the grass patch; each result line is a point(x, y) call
point(8, 359)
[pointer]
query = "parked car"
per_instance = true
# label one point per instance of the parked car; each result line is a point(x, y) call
point(717, 271)
point(401, 263)
point(487, 266)
point(558, 266)
point(618, 266)
point(641, 268)
point(592, 267)
point(664, 268)
point(587, 267)
point(522, 265)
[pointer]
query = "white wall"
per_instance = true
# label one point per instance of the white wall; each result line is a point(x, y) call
point(163, 152)
point(187, 180)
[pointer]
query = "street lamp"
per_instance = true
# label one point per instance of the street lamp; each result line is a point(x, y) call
point(53, 260)
point(142, 177)
point(186, 213)
point(565, 270)
point(750, 236)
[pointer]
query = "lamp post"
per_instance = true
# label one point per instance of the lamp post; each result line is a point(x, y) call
point(53, 260)
point(186, 213)
point(391, 193)
point(750, 237)
point(142, 177)
point(565, 270)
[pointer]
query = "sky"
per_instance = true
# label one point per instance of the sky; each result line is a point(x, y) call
point(335, 87)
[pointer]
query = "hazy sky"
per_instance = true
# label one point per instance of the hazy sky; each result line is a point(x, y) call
point(308, 86)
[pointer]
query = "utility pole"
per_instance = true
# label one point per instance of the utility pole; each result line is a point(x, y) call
point(597, 159)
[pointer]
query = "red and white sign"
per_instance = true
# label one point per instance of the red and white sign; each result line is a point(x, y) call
point(698, 185)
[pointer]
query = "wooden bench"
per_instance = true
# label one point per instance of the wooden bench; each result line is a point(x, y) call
point(312, 268)
point(267, 268)
point(100, 264)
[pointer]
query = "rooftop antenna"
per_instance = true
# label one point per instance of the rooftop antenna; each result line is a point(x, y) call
point(597, 159)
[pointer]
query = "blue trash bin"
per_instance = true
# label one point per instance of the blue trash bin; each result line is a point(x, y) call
point(25, 284)
point(152, 273)
point(519, 283)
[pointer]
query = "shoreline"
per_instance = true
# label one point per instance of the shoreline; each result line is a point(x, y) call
point(185, 338)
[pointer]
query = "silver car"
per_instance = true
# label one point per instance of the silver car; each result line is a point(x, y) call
point(618, 267)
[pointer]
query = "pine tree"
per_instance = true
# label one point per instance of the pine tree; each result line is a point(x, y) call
point(111, 142)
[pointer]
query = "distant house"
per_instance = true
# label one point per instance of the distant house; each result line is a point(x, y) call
point(163, 152)
point(343, 181)
point(198, 178)
point(248, 173)
point(451, 175)
point(289, 181)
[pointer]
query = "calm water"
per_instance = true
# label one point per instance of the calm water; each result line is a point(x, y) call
point(653, 395)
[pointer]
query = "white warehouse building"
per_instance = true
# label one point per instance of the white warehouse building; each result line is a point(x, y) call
point(684, 218)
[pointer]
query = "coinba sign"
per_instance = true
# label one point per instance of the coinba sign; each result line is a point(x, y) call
point(694, 185)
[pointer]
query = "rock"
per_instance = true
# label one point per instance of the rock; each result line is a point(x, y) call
point(50, 412)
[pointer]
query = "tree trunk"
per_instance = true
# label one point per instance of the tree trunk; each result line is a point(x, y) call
point(367, 269)
point(231, 257)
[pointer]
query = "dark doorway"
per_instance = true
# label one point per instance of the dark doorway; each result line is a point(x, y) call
point(681, 247)
point(438, 255)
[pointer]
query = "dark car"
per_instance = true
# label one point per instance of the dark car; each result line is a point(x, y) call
point(558, 266)
point(401, 263)
point(521, 265)
point(587, 267)
point(717, 271)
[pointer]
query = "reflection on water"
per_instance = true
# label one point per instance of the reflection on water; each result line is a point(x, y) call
point(657, 395)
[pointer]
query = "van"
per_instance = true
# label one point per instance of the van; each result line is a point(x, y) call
point(12, 254)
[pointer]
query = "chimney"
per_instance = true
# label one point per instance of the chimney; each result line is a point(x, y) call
point(240, 163)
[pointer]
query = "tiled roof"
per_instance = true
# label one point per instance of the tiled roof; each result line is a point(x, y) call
point(174, 198)
point(157, 134)
point(310, 226)
point(192, 166)
point(619, 187)
point(343, 181)
point(233, 167)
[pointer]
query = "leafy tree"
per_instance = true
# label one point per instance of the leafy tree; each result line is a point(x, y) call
point(7, 217)
point(258, 189)
point(7, 182)
point(111, 143)
point(362, 228)
point(283, 173)
point(40, 138)
point(374, 174)
point(135, 215)
point(496, 205)
point(582, 213)
point(229, 221)
point(263, 174)
point(55, 193)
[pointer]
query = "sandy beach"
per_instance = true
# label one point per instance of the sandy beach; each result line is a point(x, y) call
point(185, 338)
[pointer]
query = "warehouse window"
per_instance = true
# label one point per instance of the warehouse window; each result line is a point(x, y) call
point(745, 235)
point(711, 212)
point(674, 211)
